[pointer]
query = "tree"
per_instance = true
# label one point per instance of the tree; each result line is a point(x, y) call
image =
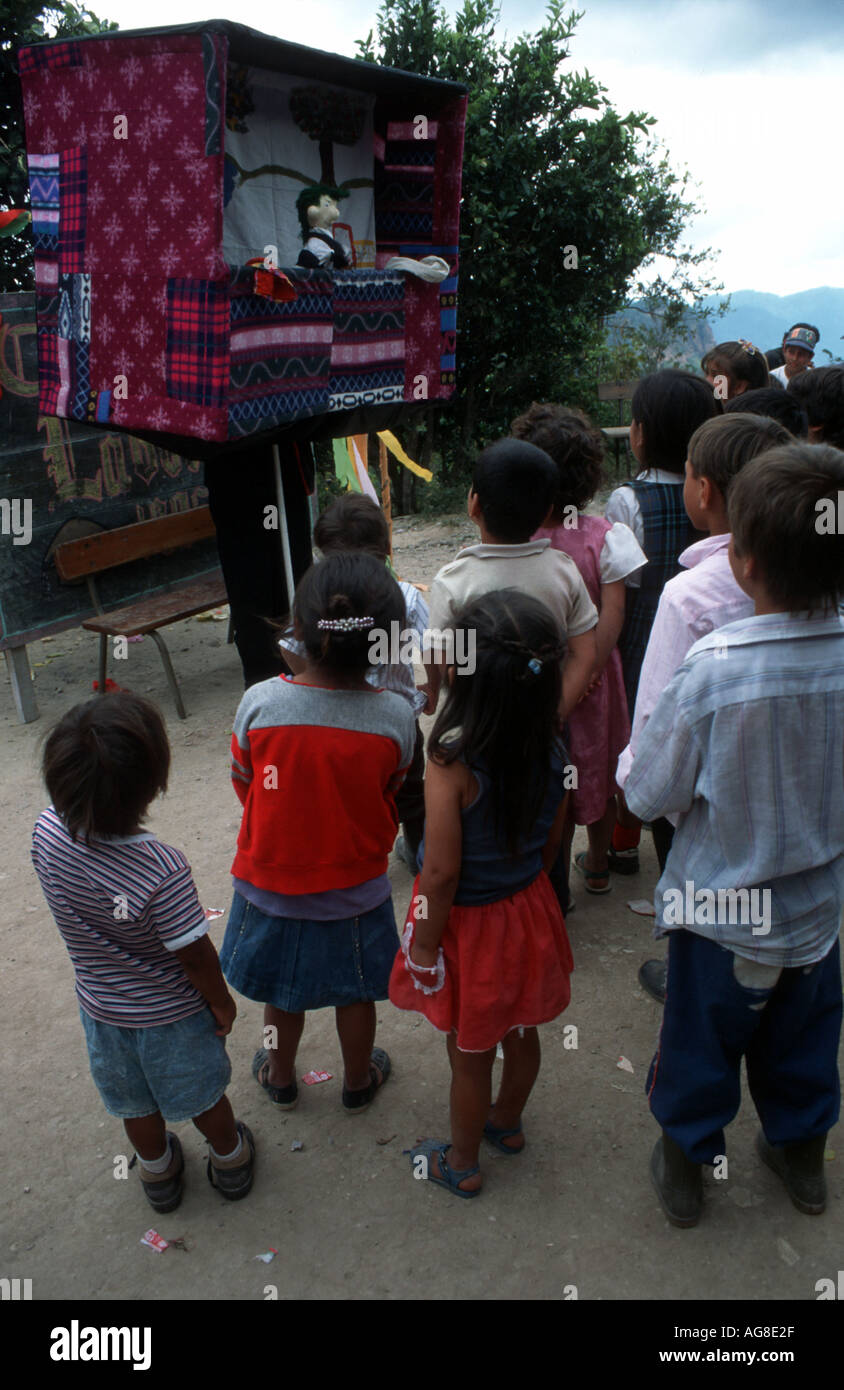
point(563, 202)
point(23, 22)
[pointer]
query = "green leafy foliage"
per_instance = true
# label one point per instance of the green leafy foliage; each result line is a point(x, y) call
point(549, 165)
point(23, 22)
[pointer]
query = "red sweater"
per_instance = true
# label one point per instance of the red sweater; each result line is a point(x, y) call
point(316, 770)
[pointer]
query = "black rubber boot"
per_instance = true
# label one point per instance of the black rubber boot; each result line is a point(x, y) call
point(652, 975)
point(801, 1168)
point(678, 1183)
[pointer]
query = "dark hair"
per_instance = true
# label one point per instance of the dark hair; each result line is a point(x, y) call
point(104, 763)
point(774, 515)
point(503, 716)
point(774, 402)
point(346, 584)
point(515, 484)
point(576, 446)
point(720, 448)
point(669, 405)
point(821, 394)
point(353, 522)
point(737, 363)
point(311, 195)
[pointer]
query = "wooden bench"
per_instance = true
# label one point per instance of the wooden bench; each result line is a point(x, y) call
point(620, 391)
point(106, 550)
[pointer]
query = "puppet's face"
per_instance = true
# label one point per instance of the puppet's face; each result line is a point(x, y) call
point(323, 213)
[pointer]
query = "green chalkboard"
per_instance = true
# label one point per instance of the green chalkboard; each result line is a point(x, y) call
point(60, 480)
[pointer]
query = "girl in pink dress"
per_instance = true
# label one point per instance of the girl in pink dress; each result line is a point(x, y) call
point(605, 554)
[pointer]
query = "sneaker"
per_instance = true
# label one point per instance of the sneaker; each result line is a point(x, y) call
point(801, 1168)
point(652, 976)
point(233, 1178)
point(623, 861)
point(678, 1183)
point(163, 1191)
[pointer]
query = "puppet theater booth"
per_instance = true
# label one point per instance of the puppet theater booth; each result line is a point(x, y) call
point(161, 163)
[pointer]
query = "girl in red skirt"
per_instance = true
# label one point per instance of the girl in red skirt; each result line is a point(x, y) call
point(484, 955)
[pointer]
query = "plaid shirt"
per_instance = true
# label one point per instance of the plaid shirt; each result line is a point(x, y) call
point(746, 744)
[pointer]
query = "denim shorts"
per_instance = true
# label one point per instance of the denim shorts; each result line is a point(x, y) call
point(294, 964)
point(181, 1068)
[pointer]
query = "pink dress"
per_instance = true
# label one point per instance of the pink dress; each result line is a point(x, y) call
point(599, 727)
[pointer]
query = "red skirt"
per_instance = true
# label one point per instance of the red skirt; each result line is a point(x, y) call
point(505, 965)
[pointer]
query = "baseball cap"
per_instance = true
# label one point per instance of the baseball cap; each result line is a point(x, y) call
point(802, 338)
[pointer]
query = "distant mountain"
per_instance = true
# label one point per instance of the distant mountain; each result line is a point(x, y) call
point(763, 318)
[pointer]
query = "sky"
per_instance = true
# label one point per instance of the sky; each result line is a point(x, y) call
point(747, 95)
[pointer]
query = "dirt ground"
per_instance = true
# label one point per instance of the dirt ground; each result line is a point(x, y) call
point(341, 1207)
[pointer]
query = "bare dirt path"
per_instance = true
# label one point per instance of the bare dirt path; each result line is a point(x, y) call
point(343, 1211)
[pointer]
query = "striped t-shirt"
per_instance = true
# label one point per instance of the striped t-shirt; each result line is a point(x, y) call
point(123, 905)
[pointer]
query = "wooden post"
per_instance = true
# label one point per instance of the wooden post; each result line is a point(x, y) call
point(386, 502)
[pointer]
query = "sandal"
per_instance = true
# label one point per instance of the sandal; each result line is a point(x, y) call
point(283, 1097)
point(451, 1178)
point(355, 1102)
point(591, 875)
point(497, 1136)
point(163, 1191)
point(236, 1181)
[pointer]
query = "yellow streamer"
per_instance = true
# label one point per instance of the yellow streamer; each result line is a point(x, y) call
point(398, 452)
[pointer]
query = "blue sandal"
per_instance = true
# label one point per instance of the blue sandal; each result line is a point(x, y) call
point(451, 1178)
point(497, 1137)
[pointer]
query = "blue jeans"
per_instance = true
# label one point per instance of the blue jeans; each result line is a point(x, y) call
point(788, 1030)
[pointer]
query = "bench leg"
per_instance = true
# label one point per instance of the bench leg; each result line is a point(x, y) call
point(170, 673)
point(103, 663)
point(23, 690)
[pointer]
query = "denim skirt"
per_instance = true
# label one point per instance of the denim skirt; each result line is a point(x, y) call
point(296, 964)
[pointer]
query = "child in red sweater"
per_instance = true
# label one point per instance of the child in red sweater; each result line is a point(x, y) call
point(316, 761)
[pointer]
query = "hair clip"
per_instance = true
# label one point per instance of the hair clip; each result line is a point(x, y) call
point(748, 347)
point(534, 666)
point(344, 624)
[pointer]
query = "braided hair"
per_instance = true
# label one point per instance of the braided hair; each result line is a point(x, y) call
point(502, 713)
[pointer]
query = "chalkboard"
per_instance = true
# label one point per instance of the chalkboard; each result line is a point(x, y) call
point(59, 481)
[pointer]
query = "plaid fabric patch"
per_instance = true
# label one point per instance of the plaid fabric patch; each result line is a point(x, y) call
point(198, 341)
point(73, 194)
point(49, 375)
point(54, 55)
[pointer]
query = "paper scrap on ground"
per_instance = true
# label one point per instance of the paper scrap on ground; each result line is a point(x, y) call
point(642, 907)
point(154, 1241)
point(296, 1145)
point(213, 912)
point(313, 1078)
point(624, 1065)
point(787, 1252)
point(267, 1257)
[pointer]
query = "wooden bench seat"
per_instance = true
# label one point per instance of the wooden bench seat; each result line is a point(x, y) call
point(92, 555)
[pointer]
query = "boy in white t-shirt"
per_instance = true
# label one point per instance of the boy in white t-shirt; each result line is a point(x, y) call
point(512, 491)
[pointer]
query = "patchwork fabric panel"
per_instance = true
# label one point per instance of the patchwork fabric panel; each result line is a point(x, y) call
point(280, 352)
point(197, 340)
point(404, 185)
point(368, 350)
point(44, 201)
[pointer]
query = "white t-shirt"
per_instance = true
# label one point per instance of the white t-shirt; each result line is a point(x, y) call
point(533, 567)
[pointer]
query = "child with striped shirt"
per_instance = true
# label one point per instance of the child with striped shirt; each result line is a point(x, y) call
point(152, 999)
